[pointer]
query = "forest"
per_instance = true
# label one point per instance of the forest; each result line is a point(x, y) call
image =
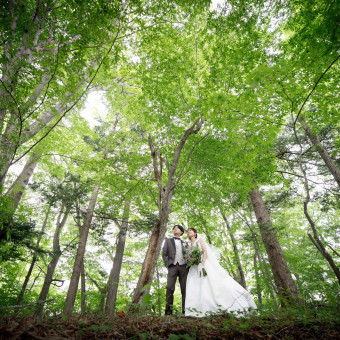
point(122, 118)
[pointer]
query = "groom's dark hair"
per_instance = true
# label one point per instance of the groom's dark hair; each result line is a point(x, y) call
point(179, 227)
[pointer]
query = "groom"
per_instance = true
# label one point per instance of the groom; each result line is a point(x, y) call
point(176, 264)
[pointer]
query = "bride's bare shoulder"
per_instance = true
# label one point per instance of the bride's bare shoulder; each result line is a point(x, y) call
point(201, 241)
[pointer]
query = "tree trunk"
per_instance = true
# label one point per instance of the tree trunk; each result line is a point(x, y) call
point(266, 274)
point(262, 261)
point(23, 47)
point(315, 238)
point(13, 137)
point(54, 261)
point(73, 287)
point(112, 284)
point(165, 194)
point(287, 289)
point(34, 259)
point(102, 300)
point(320, 247)
point(334, 170)
point(236, 252)
point(158, 294)
point(258, 284)
point(151, 257)
point(82, 289)
point(17, 189)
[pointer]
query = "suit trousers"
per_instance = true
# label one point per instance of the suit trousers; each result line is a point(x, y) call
point(174, 271)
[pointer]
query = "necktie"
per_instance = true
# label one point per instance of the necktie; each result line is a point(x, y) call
point(176, 238)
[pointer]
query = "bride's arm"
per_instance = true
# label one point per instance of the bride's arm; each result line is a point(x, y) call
point(204, 248)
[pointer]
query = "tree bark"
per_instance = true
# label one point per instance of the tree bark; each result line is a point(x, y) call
point(17, 189)
point(14, 136)
point(165, 194)
point(24, 48)
point(334, 170)
point(73, 287)
point(112, 284)
point(34, 259)
point(287, 289)
point(262, 261)
point(236, 251)
point(258, 284)
point(315, 238)
point(158, 295)
point(82, 289)
point(54, 261)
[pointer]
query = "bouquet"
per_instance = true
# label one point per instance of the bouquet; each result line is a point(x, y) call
point(194, 257)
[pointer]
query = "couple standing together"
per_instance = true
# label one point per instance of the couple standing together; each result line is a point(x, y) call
point(206, 287)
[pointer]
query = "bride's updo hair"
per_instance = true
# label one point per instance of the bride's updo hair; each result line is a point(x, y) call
point(194, 230)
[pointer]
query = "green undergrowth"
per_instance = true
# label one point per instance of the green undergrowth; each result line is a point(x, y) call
point(312, 322)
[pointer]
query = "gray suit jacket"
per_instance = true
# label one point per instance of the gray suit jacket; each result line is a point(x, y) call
point(169, 251)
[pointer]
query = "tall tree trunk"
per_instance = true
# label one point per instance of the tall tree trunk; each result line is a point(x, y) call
point(152, 254)
point(165, 194)
point(82, 289)
point(287, 289)
point(334, 170)
point(320, 247)
point(236, 251)
point(54, 261)
point(112, 284)
point(34, 259)
point(158, 294)
point(14, 136)
point(102, 301)
point(26, 49)
point(17, 189)
point(82, 280)
point(265, 273)
point(73, 287)
point(315, 238)
point(262, 261)
point(258, 284)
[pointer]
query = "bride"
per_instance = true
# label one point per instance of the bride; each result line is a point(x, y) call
point(215, 292)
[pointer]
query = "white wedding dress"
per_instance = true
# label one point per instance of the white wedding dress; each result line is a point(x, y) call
point(215, 292)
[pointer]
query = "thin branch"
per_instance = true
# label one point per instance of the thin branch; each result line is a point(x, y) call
point(314, 87)
point(188, 158)
point(151, 193)
point(296, 175)
point(47, 87)
point(76, 102)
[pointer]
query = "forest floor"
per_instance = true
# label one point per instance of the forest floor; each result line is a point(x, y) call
point(93, 326)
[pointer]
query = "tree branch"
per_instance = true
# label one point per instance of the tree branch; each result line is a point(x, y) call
point(314, 87)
